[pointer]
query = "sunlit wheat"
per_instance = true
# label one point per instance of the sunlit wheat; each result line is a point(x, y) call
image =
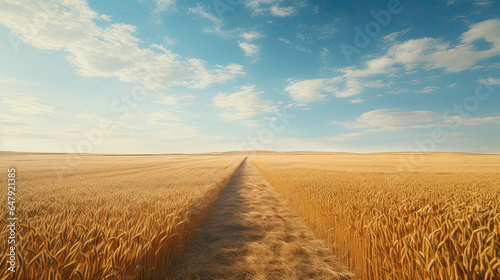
point(439, 222)
point(111, 217)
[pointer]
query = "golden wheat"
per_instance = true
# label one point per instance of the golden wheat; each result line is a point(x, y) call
point(439, 221)
point(110, 217)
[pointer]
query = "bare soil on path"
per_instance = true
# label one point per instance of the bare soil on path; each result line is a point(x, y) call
point(250, 233)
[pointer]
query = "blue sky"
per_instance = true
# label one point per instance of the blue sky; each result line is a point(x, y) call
point(168, 76)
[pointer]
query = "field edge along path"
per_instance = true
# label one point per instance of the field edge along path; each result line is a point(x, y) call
point(250, 233)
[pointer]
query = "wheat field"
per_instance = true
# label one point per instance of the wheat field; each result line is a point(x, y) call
point(143, 216)
point(110, 217)
point(438, 220)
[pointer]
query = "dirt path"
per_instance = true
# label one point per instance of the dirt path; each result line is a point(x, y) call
point(251, 234)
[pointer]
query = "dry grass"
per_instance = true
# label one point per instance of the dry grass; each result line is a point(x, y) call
point(439, 222)
point(113, 217)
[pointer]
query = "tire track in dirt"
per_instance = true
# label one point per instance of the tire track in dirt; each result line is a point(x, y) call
point(250, 233)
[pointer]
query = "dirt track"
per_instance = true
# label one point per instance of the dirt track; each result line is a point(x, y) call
point(250, 233)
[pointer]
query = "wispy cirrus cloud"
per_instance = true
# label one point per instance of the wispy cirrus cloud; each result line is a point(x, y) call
point(300, 46)
point(391, 38)
point(480, 121)
point(392, 120)
point(283, 11)
point(203, 11)
point(276, 8)
point(243, 37)
point(24, 104)
point(428, 89)
point(165, 5)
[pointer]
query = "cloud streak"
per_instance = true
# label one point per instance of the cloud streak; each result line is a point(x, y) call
point(243, 104)
point(112, 50)
point(426, 53)
point(20, 103)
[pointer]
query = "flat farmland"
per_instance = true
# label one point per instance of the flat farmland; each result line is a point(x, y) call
point(386, 219)
point(109, 217)
point(264, 215)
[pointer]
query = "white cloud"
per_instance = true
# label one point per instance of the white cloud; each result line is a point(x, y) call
point(251, 35)
point(307, 91)
point(452, 85)
point(429, 53)
point(456, 134)
point(390, 119)
point(283, 11)
point(465, 55)
point(479, 3)
point(256, 4)
point(483, 3)
point(169, 41)
point(325, 31)
point(164, 5)
point(275, 7)
point(305, 37)
point(324, 54)
point(243, 104)
point(286, 41)
point(298, 47)
point(480, 121)
point(487, 66)
point(217, 30)
point(490, 81)
point(346, 137)
point(109, 51)
point(218, 74)
point(357, 100)
point(435, 53)
point(20, 103)
point(203, 12)
point(249, 49)
point(8, 122)
point(399, 90)
point(168, 100)
point(217, 23)
point(428, 89)
point(348, 92)
point(390, 38)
